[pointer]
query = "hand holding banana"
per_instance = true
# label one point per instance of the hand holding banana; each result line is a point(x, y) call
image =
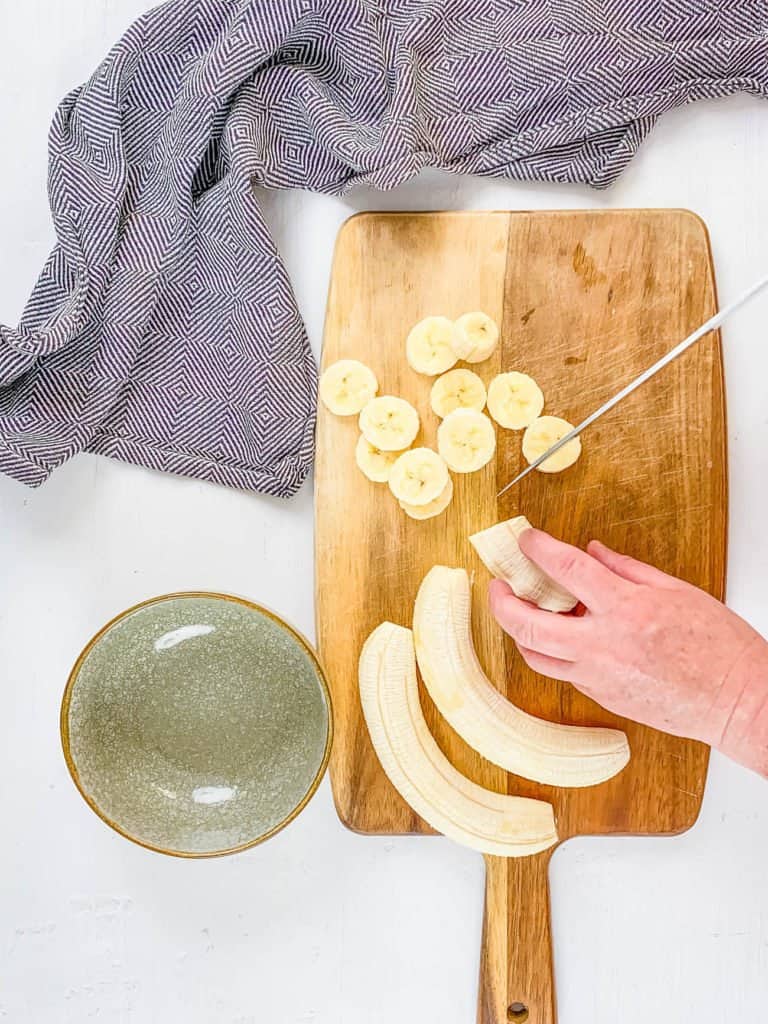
point(648, 646)
point(643, 644)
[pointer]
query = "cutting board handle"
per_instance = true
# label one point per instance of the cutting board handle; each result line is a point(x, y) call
point(516, 968)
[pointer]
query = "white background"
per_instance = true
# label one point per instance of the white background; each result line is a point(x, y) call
point(320, 926)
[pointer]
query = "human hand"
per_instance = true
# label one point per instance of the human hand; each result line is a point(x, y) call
point(648, 647)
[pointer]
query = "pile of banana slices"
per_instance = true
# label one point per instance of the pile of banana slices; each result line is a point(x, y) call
point(441, 641)
point(466, 439)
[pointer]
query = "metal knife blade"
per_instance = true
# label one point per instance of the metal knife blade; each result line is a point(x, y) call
point(711, 325)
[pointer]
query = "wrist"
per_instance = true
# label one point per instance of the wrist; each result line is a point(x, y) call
point(743, 735)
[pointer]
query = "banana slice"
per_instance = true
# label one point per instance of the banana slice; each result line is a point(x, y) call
point(466, 440)
point(457, 389)
point(475, 337)
point(347, 386)
point(373, 462)
point(556, 755)
point(515, 400)
point(493, 823)
point(418, 477)
point(390, 424)
point(499, 550)
point(434, 508)
point(429, 346)
point(542, 434)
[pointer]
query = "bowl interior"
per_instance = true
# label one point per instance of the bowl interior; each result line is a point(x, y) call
point(196, 724)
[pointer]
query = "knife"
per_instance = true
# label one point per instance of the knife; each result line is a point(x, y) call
point(711, 325)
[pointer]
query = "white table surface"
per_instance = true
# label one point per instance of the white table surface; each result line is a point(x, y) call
point(320, 926)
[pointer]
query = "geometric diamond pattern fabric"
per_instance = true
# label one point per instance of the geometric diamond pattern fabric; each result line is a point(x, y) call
point(163, 329)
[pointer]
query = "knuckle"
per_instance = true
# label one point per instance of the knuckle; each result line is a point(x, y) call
point(527, 635)
point(568, 564)
point(620, 599)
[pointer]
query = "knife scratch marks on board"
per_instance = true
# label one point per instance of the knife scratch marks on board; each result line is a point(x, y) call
point(659, 515)
point(688, 792)
point(631, 479)
point(666, 753)
point(583, 490)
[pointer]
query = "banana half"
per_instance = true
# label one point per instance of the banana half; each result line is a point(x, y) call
point(557, 755)
point(504, 826)
point(499, 550)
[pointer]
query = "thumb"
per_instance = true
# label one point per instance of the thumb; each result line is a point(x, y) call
point(630, 568)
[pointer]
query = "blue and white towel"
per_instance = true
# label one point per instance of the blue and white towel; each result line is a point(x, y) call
point(163, 329)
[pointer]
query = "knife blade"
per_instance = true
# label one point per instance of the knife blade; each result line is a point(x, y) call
point(711, 325)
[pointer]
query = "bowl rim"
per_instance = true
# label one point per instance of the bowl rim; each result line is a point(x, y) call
point(252, 606)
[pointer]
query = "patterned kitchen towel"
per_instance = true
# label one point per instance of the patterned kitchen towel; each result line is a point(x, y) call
point(163, 329)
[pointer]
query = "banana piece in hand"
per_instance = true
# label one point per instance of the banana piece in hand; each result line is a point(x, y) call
point(476, 335)
point(434, 508)
point(466, 440)
point(390, 424)
point(499, 550)
point(547, 752)
point(541, 435)
point(429, 346)
point(515, 400)
point(347, 386)
point(457, 389)
point(373, 462)
point(418, 477)
point(493, 823)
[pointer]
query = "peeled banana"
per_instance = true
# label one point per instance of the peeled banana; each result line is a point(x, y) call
point(514, 400)
point(429, 346)
point(500, 552)
point(541, 435)
point(557, 755)
point(475, 337)
point(347, 386)
point(466, 440)
point(433, 508)
point(457, 389)
point(373, 462)
point(390, 424)
point(418, 477)
point(504, 826)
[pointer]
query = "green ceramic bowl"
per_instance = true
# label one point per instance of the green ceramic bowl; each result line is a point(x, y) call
point(197, 724)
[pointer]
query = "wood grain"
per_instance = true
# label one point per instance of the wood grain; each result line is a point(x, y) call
point(516, 978)
point(586, 300)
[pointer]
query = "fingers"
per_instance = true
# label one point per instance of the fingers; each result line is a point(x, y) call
point(629, 568)
point(554, 668)
point(556, 636)
point(584, 576)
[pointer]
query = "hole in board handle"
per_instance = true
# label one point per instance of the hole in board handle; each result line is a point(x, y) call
point(517, 1013)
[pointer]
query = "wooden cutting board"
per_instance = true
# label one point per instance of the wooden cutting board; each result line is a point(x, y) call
point(585, 300)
